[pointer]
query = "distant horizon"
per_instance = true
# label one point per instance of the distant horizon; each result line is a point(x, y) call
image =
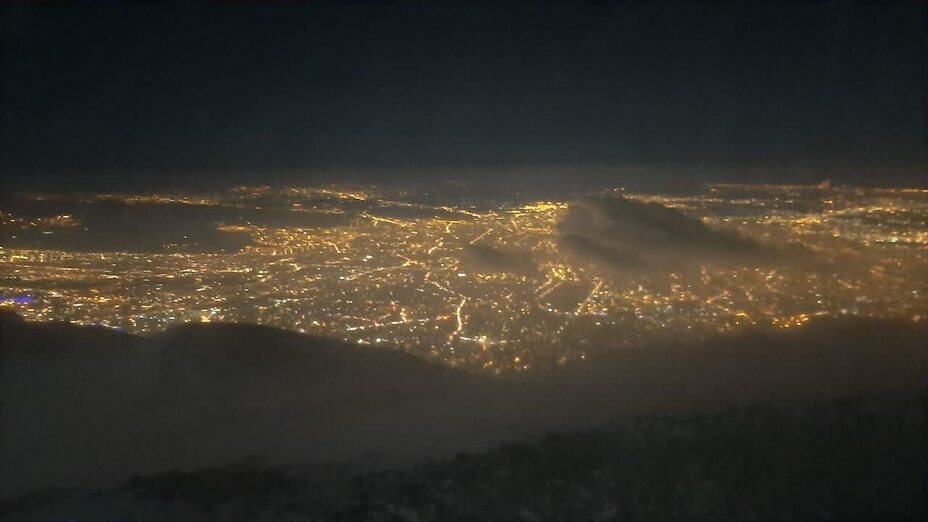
point(509, 178)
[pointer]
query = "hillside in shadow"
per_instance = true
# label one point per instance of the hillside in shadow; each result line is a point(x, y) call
point(840, 459)
point(90, 407)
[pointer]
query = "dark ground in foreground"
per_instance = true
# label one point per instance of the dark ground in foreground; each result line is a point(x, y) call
point(857, 458)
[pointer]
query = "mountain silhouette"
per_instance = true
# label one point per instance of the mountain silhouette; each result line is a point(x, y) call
point(90, 405)
point(627, 236)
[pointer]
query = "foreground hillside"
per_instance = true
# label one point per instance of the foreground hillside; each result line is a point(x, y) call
point(90, 407)
point(857, 458)
point(89, 404)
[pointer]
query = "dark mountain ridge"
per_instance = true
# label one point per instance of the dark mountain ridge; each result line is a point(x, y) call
point(91, 405)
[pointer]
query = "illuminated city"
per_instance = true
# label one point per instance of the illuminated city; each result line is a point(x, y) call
point(378, 266)
point(463, 261)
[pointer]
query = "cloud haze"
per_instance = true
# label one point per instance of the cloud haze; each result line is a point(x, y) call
point(482, 258)
point(627, 236)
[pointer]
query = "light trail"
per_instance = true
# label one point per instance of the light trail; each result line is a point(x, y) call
point(375, 270)
point(549, 290)
point(599, 284)
point(457, 316)
point(378, 219)
point(481, 236)
point(439, 286)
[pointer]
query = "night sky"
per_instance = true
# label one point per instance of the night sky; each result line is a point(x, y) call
point(127, 94)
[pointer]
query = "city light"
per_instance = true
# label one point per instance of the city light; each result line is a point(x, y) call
point(401, 277)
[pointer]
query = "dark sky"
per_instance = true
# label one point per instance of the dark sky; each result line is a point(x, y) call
point(114, 93)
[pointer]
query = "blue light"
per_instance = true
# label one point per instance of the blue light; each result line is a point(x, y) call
point(18, 299)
